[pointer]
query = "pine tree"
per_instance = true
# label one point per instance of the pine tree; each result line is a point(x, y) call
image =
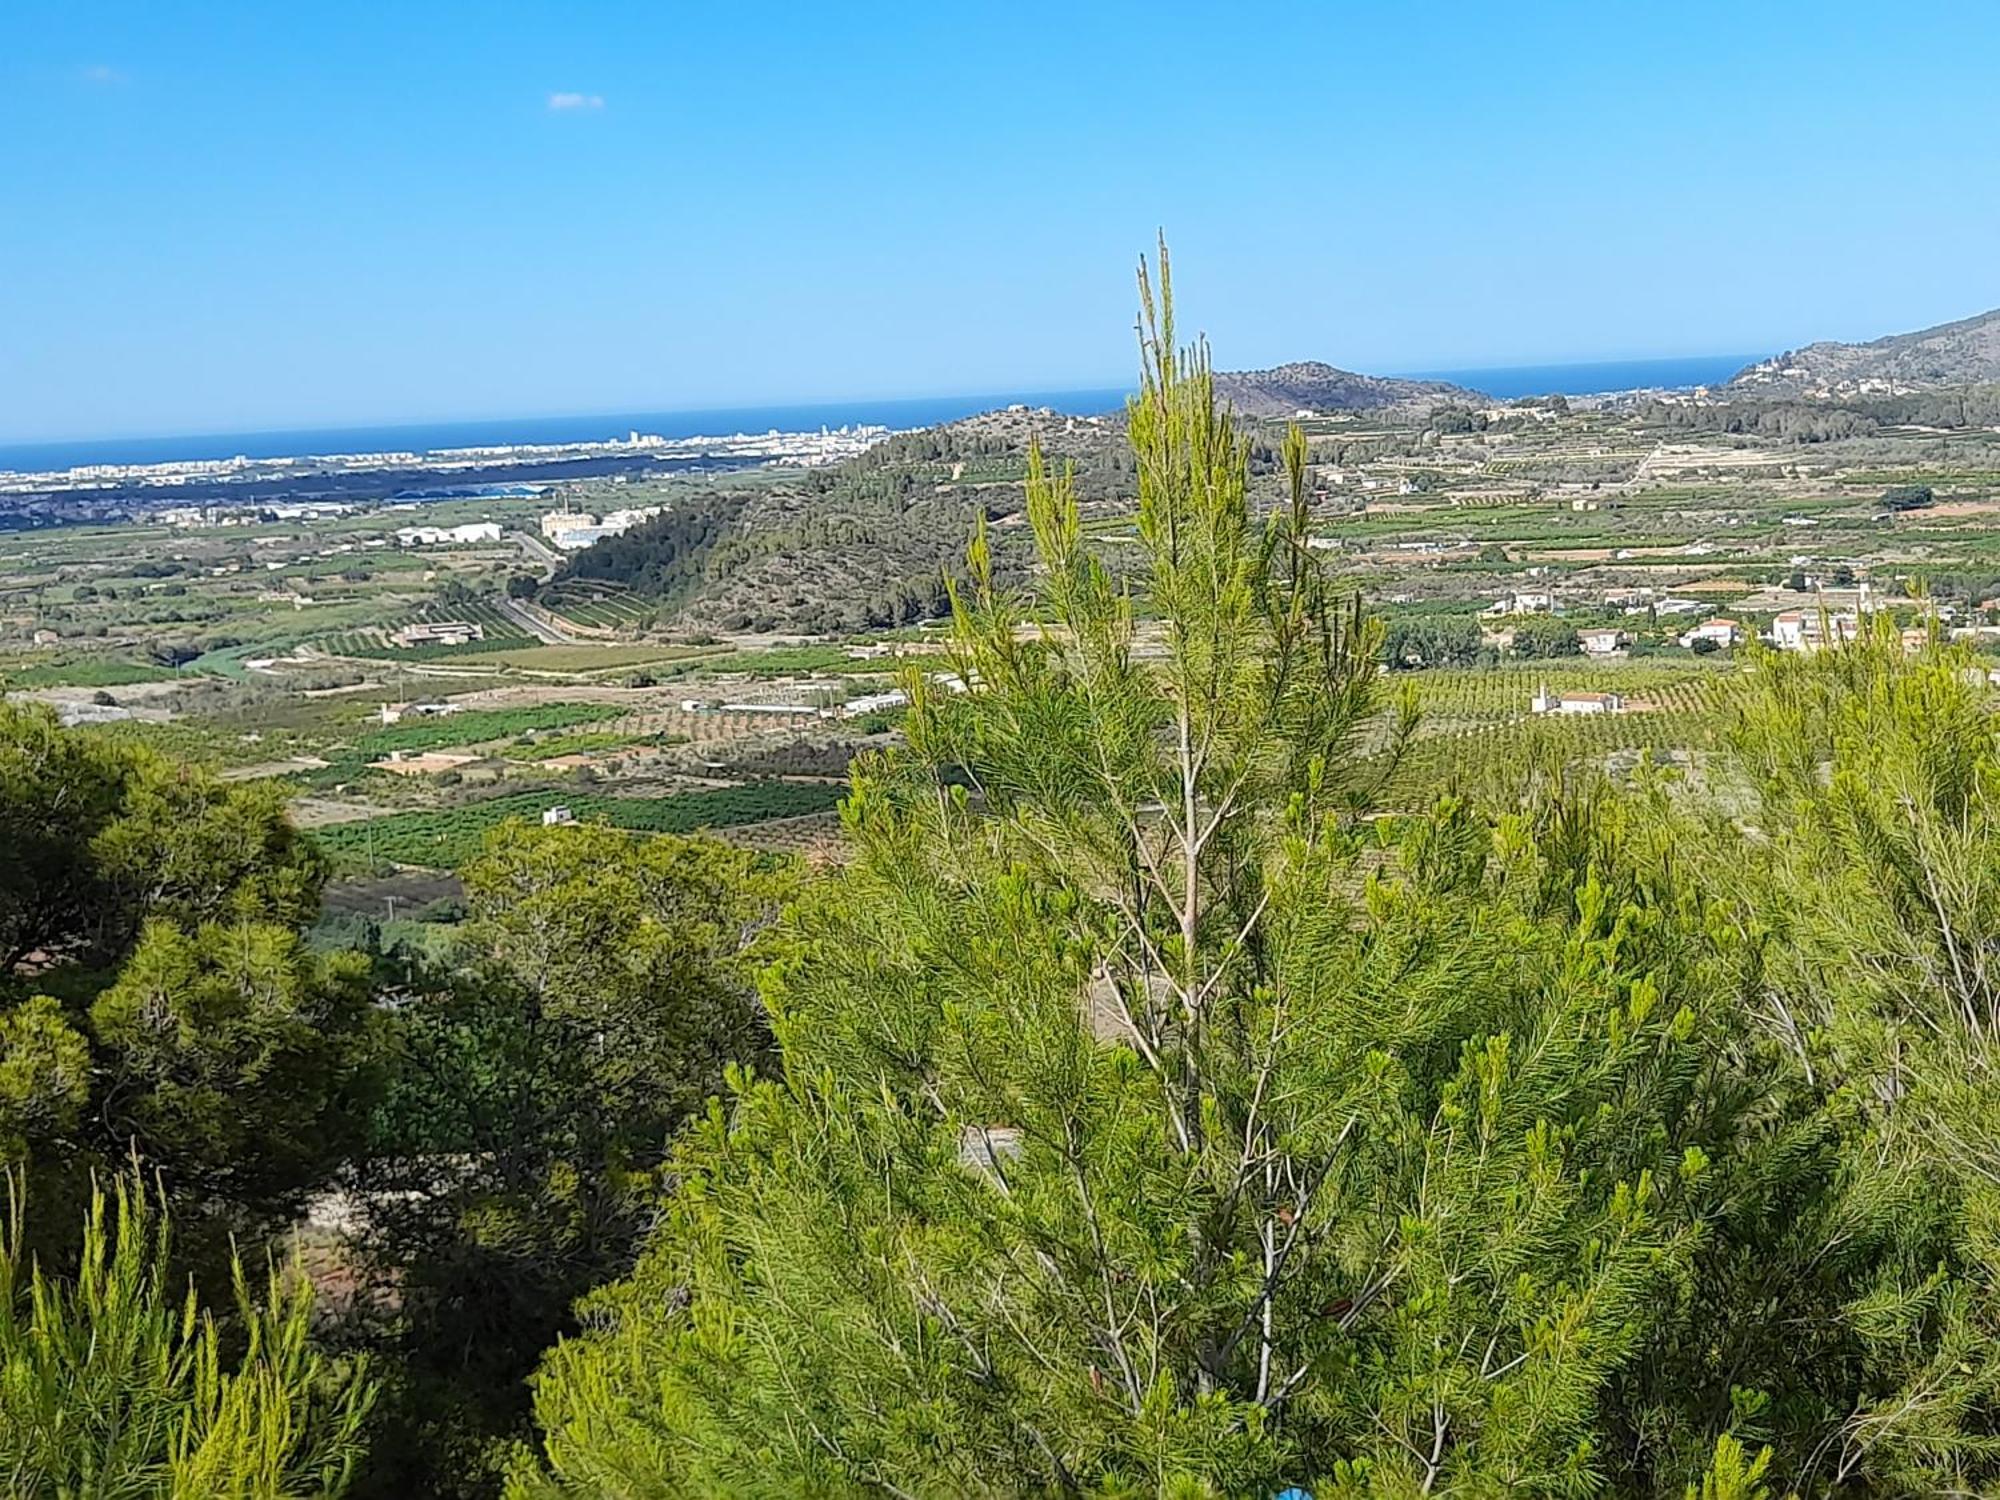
point(1153, 1121)
point(111, 1384)
point(1869, 907)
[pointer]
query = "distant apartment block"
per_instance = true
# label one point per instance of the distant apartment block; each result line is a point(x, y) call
point(1810, 629)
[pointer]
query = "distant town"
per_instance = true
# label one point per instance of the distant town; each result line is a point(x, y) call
point(297, 486)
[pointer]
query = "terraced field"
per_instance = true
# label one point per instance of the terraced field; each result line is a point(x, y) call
point(498, 633)
point(600, 604)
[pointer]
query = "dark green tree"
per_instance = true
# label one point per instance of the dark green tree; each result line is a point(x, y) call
point(601, 984)
point(1545, 636)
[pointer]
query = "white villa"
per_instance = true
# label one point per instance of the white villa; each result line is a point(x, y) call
point(1523, 604)
point(1545, 702)
point(1722, 632)
point(1809, 629)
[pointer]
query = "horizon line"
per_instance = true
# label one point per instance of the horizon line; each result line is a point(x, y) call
point(1433, 372)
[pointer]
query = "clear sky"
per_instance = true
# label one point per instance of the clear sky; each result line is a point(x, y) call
point(224, 216)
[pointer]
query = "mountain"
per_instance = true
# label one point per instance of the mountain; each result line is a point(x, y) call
point(1961, 353)
point(1312, 386)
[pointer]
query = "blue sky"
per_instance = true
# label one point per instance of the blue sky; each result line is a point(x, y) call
point(229, 216)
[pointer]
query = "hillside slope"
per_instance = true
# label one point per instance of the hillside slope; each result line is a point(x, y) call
point(864, 544)
point(1309, 385)
point(1960, 353)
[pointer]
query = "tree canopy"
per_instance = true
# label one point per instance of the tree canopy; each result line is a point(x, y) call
point(1155, 1121)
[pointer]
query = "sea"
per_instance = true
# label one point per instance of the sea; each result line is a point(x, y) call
point(1511, 381)
point(1504, 382)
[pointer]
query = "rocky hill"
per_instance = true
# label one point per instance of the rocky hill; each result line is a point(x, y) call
point(1311, 386)
point(1961, 353)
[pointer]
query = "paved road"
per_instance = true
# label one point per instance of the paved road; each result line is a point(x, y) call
point(533, 546)
point(537, 624)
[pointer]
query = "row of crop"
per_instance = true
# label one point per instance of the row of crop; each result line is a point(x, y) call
point(481, 726)
point(497, 633)
point(568, 744)
point(1503, 692)
point(446, 838)
point(601, 611)
point(1437, 762)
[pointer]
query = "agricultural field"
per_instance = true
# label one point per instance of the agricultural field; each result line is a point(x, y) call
point(444, 839)
point(480, 727)
point(1479, 722)
point(498, 633)
point(81, 671)
point(673, 697)
point(589, 659)
point(598, 605)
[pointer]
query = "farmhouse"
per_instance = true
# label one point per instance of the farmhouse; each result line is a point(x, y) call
point(1721, 632)
point(439, 633)
point(1533, 603)
point(422, 763)
point(1545, 702)
point(394, 713)
point(1602, 642)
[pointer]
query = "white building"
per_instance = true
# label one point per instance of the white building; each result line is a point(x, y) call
point(576, 538)
point(1532, 603)
point(1809, 629)
point(1602, 642)
point(1722, 632)
point(449, 536)
point(870, 703)
point(1545, 702)
point(439, 633)
point(573, 530)
point(624, 520)
point(72, 714)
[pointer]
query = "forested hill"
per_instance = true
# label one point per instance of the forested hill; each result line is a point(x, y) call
point(866, 543)
point(1960, 353)
point(1311, 386)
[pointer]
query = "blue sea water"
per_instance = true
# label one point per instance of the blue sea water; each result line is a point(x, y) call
point(424, 437)
point(1510, 381)
point(1505, 382)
